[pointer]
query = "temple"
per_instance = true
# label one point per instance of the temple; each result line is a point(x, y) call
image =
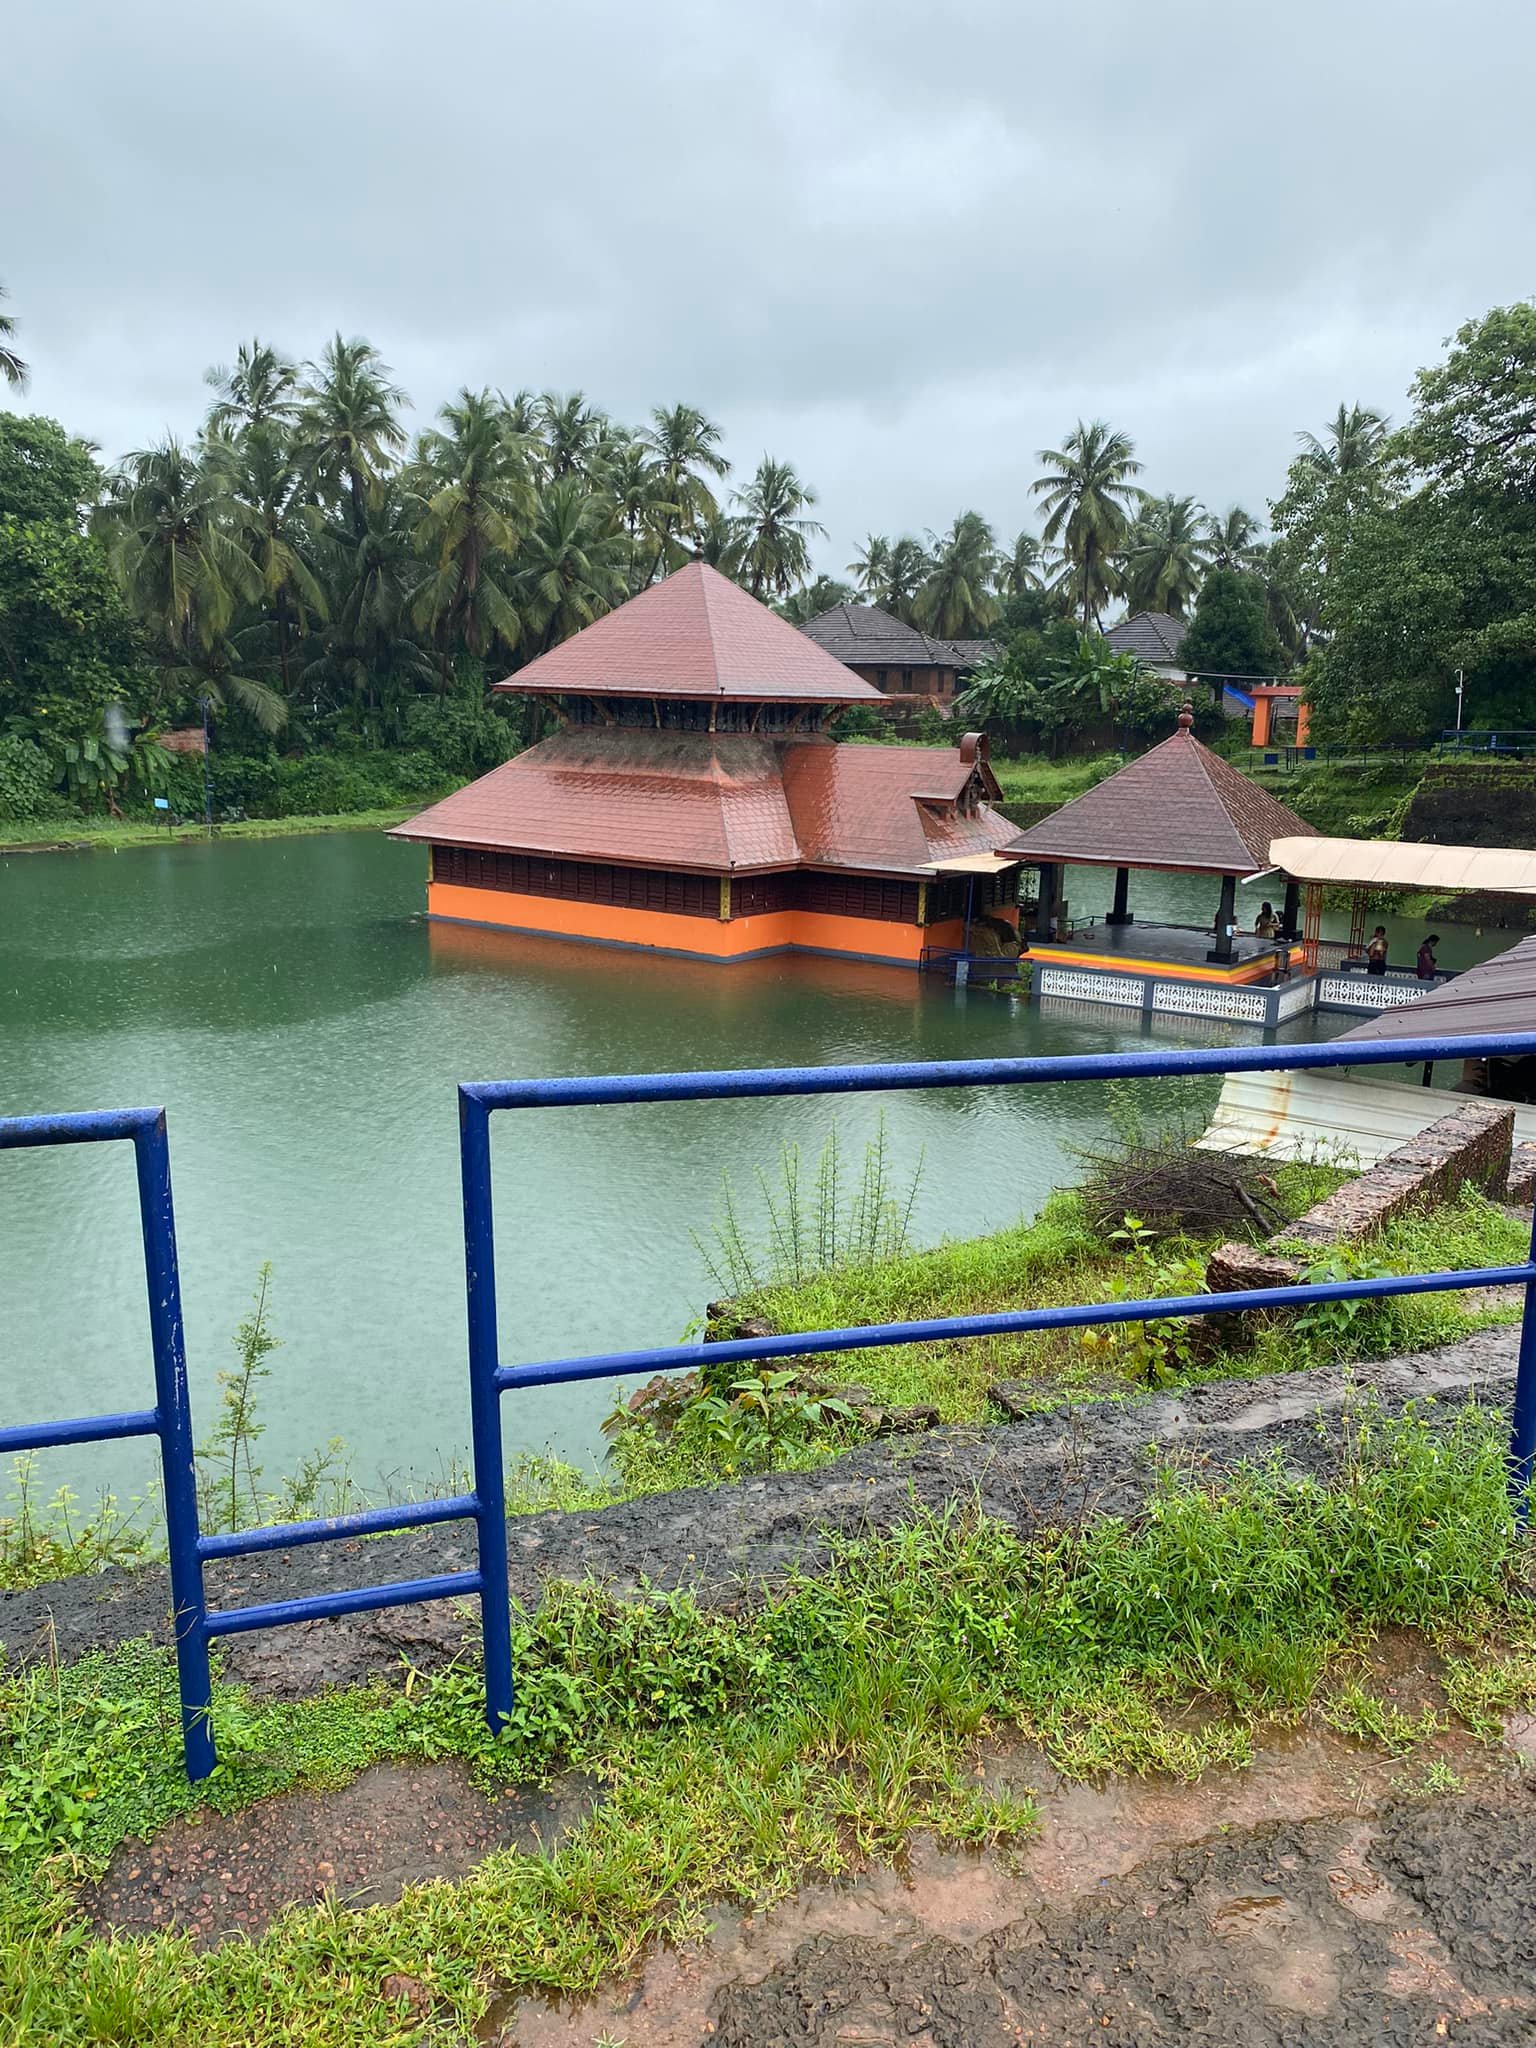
point(695, 802)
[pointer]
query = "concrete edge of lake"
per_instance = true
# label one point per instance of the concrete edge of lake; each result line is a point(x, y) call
point(728, 1543)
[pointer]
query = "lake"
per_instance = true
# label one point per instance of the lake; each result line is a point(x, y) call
point(306, 1027)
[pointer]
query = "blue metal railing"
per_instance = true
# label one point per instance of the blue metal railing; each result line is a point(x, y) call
point(489, 1379)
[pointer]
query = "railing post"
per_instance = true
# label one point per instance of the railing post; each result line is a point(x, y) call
point(1522, 1434)
point(178, 1471)
point(485, 1407)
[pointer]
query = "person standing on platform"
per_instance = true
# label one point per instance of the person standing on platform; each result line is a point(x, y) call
point(1376, 951)
point(1428, 967)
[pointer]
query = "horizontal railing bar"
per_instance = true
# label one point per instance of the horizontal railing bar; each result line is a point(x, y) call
point(89, 1429)
point(458, 1507)
point(75, 1127)
point(235, 1621)
point(804, 1343)
point(731, 1083)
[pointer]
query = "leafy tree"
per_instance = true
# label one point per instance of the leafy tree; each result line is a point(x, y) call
point(1005, 703)
point(261, 390)
point(44, 472)
point(1087, 490)
point(1166, 556)
point(1439, 574)
point(776, 534)
point(1335, 478)
point(12, 369)
point(1231, 634)
point(956, 601)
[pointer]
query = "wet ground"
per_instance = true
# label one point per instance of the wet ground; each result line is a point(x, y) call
point(1312, 1901)
point(215, 1876)
point(1325, 1895)
point(1097, 1458)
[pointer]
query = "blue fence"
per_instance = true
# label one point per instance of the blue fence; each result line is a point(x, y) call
point(489, 1379)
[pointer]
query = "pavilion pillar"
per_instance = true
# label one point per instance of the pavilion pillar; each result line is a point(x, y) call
point(1045, 916)
point(1290, 912)
point(1263, 714)
point(1120, 914)
point(1226, 920)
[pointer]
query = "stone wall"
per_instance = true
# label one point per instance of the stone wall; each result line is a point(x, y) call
point(1522, 1175)
point(1473, 1146)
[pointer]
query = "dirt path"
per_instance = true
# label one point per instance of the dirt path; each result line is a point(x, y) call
point(1097, 1458)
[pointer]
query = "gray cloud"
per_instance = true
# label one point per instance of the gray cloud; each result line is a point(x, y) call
point(904, 245)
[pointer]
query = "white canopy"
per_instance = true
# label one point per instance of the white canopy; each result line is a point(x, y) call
point(1397, 864)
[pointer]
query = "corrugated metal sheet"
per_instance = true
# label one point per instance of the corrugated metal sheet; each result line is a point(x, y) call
point(1498, 995)
point(1397, 864)
point(1331, 1116)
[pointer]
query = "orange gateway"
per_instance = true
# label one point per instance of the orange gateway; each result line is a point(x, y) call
point(693, 801)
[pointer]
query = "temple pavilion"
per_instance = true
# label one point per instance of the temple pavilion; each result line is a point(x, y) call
point(1177, 809)
point(694, 801)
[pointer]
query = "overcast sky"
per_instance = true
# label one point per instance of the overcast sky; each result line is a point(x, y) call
point(903, 246)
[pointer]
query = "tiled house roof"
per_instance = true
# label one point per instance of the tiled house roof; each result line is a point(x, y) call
point(1150, 636)
point(864, 636)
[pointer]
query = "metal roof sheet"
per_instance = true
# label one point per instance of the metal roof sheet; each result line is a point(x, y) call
point(1179, 806)
point(1400, 864)
point(1498, 995)
point(695, 634)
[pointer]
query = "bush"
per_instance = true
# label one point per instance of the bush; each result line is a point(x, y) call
point(459, 736)
point(26, 782)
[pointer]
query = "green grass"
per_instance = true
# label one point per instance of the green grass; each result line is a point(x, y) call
point(1058, 1258)
point(116, 833)
point(1033, 778)
point(741, 1752)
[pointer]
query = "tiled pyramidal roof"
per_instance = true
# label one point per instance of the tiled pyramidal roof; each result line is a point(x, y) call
point(696, 634)
point(1178, 806)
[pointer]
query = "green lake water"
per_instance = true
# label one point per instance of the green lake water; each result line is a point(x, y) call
point(305, 1027)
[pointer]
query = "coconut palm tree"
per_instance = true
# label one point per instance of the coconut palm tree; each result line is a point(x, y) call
point(1022, 569)
point(871, 570)
point(570, 567)
point(1232, 539)
point(279, 528)
point(1166, 556)
point(722, 542)
point(686, 447)
point(260, 390)
point(369, 662)
point(801, 606)
point(1351, 442)
point(1087, 490)
point(12, 369)
point(176, 542)
point(776, 544)
point(635, 481)
point(349, 430)
point(909, 569)
point(572, 432)
point(956, 601)
point(475, 500)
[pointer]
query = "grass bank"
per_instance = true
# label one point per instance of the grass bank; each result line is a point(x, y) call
point(84, 835)
point(730, 1424)
point(742, 1753)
